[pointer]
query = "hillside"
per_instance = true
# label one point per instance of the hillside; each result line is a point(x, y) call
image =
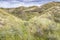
point(31, 23)
point(27, 13)
point(6, 18)
point(24, 13)
point(8, 25)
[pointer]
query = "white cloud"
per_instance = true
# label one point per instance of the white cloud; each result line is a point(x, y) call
point(28, 0)
point(58, 0)
point(15, 3)
point(5, 4)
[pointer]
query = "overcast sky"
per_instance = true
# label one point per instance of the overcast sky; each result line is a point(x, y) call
point(17, 3)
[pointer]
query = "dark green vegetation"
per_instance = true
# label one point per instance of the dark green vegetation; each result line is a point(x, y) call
point(30, 23)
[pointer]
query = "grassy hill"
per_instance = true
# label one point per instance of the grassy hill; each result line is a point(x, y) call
point(31, 23)
point(9, 25)
point(25, 13)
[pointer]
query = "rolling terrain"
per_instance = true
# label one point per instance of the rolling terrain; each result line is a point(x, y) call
point(31, 23)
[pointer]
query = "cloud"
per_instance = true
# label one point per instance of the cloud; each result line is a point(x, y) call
point(17, 3)
point(4, 4)
point(28, 0)
point(58, 0)
point(13, 4)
